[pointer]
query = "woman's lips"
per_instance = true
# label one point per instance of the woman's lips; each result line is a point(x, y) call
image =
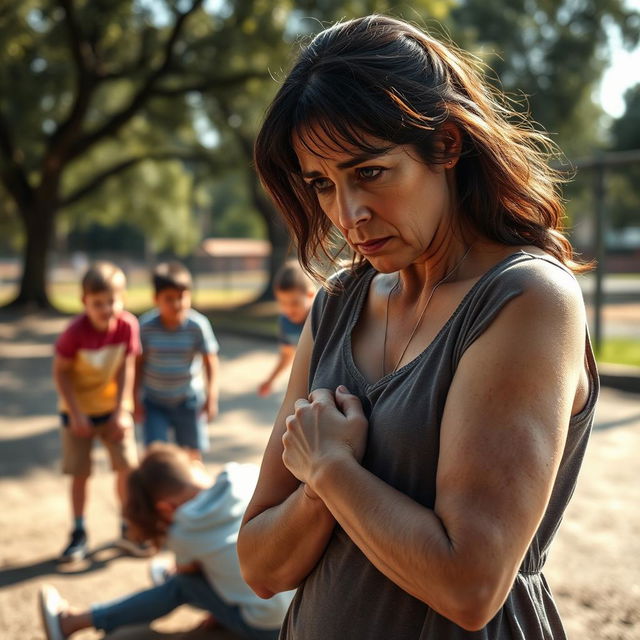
point(371, 246)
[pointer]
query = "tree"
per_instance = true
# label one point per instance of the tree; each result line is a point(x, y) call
point(81, 85)
point(553, 53)
point(625, 131)
point(105, 104)
point(623, 196)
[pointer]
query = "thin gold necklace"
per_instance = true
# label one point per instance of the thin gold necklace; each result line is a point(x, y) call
point(419, 320)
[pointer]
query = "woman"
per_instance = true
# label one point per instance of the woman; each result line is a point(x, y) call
point(444, 389)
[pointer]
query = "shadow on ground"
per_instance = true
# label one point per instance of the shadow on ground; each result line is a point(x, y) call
point(612, 424)
point(145, 633)
point(98, 560)
point(44, 451)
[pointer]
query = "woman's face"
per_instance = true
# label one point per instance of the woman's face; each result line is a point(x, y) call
point(389, 207)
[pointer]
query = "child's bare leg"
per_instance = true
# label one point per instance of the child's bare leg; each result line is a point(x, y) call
point(73, 620)
point(59, 619)
point(78, 495)
point(121, 485)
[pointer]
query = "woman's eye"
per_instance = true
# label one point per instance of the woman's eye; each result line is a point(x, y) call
point(320, 184)
point(369, 173)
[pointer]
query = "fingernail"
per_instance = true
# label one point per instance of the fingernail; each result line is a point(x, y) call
point(343, 389)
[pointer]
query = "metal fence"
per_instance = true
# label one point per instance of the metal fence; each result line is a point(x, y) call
point(600, 166)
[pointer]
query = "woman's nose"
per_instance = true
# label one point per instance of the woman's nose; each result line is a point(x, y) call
point(352, 210)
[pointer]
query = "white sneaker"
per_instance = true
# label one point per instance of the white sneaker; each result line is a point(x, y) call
point(160, 570)
point(51, 606)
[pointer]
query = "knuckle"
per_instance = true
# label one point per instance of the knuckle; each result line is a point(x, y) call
point(318, 394)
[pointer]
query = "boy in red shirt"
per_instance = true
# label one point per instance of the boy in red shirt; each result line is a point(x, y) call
point(93, 369)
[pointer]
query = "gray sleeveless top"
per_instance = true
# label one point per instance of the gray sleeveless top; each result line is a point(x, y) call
point(345, 597)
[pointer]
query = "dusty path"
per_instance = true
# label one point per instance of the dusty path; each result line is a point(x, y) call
point(594, 567)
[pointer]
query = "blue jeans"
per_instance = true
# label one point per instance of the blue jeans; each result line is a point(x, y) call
point(186, 419)
point(182, 588)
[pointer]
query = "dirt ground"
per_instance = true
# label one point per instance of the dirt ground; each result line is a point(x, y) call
point(593, 568)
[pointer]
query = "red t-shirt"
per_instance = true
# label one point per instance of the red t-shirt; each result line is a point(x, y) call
point(97, 357)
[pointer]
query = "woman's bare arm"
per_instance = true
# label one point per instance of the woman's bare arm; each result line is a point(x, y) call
point(285, 529)
point(502, 438)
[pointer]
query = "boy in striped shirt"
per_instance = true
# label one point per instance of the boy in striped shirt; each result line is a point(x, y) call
point(177, 372)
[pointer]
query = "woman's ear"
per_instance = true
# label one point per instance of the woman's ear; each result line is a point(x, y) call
point(449, 143)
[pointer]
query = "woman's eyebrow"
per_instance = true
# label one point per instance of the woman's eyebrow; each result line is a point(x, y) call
point(311, 174)
point(347, 164)
point(362, 157)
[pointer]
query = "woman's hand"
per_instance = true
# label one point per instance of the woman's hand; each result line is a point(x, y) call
point(323, 428)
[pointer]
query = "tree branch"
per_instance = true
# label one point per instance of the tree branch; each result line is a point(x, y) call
point(13, 174)
point(221, 82)
point(113, 125)
point(63, 136)
point(75, 37)
point(245, 144)
point(7, 148)
point(95, 182)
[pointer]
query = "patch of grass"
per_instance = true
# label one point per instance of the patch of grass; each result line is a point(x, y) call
point(259, 319)
point(65, 296)
point(620, 351)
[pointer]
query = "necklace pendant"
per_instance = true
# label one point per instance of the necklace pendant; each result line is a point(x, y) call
point(420, 317)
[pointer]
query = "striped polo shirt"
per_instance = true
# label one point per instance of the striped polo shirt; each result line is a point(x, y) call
point(173, 370)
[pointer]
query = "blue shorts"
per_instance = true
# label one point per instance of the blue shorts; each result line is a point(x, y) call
point(185, 418)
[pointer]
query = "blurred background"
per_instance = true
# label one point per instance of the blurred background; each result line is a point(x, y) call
point(126, 129)
point(126, 133)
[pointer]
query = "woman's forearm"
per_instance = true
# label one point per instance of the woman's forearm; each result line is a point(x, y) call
point(413, 548)
point(280, 546)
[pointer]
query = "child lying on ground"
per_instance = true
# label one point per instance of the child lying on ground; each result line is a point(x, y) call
point(170, 501)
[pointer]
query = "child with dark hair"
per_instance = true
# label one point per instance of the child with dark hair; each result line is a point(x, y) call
point(171, 501)
point(176, 375)
point(294, 292)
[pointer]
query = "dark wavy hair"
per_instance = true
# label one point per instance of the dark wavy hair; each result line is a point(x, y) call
point(381, 78)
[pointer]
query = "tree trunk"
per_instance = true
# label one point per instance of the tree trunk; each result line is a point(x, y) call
point(277, 233)
point(38, 226)
point(280, 245)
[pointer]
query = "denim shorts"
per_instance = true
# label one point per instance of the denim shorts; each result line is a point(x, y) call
point(185, 419)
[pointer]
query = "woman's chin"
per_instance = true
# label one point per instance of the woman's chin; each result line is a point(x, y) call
point(385, 265)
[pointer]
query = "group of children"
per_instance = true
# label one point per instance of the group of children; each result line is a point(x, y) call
point(162, 371)
point(106, 364)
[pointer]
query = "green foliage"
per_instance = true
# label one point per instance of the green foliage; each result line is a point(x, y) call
point(625, 131)
point(621, 351)
point(117, 111)
point(232, 215)
point(624, 194)
point(551, 51)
